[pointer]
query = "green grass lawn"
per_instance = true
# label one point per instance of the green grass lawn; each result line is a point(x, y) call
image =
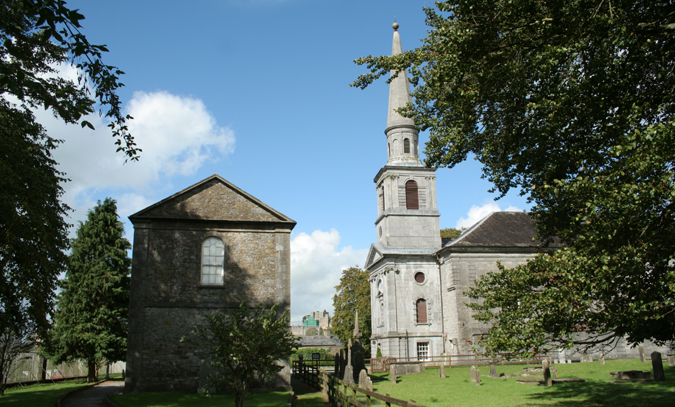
point(192, 399)
point(457, 389)
point(39, 395)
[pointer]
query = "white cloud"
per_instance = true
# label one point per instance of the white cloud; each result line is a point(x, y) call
point(316, 268)
point(178, 135)
point(477, 213)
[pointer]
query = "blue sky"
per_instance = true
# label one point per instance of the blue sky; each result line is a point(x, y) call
point(258, 92)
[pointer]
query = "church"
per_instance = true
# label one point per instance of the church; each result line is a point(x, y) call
point(417, 279)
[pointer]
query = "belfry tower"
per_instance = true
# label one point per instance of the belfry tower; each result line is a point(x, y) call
point(404, 273)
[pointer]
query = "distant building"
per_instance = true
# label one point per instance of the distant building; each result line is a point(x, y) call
point(318, 320)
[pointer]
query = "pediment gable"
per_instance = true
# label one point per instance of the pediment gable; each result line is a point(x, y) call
point(212, 199)
point(373, 256)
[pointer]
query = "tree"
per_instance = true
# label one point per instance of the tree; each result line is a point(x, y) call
point(450, 233)
point(311, 332)
point(13, 342)
point(571, 102)
point(93, 308)
point(245, 345)
point(33, 234)
point(352, 294)
point(36, 36)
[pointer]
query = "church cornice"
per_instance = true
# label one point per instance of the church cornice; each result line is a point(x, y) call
point(407, 212)
point(400, 170)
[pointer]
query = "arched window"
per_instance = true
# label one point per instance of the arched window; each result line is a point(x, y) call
point(406, 146)
point(411, 199)
point(213, 261)
point(421, 311)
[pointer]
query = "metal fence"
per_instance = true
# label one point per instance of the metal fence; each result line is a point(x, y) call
point(28, 367)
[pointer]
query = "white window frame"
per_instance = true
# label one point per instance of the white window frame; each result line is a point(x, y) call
point(423, 351)
point(213, 262)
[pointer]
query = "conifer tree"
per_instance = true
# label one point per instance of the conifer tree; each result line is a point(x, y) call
point(93, 307)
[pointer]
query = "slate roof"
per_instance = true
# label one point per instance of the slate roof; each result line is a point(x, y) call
point(500, 229)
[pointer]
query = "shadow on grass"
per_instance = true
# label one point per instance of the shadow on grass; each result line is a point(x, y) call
point(603, 393)
point(36, 396)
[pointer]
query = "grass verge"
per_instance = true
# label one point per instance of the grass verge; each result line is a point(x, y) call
point(192, 399)
point(457, 389)
point(39, 395)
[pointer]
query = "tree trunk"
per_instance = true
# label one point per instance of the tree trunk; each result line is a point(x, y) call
point(239, 394)
point(91, 371)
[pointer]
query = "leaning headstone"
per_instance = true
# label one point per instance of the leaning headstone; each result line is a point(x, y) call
point(348, 377)
point(477, 377)
point(441, 371)
point(641, 349)
point(473, 373)
point(547, 373)
point(363, 379)
point(671, 359)
point(493, 370)
point(392, 373)
point(657, 367)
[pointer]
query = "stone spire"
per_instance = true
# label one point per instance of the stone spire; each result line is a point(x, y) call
point(357, 329)
point(399, 90)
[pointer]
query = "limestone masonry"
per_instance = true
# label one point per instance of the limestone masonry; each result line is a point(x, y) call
point(205, 248)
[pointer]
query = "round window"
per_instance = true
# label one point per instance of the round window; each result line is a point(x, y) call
point(419, 277)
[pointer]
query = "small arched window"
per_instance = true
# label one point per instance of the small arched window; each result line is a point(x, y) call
point(421, 311)
point(406, 146)
point(411, 199)
point(213, 261)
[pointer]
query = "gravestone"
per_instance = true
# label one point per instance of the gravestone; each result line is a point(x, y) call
point(358, 358)
point(441, 371)
point(602, 359)
point(338, 364)
point(657, 367)
point(477, 377)
point(641, 349)
point(547, 373)
point(392, 373)
point(493, 370)
point(473, 373)
point(364, 381)
point(671, 359)
point(349, 371)
point(587, 358)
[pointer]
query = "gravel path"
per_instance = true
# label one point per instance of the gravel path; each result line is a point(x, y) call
point(93, 396)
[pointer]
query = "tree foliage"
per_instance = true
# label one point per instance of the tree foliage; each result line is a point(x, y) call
point(571, 102)
point(35, 36)
point(245, 345)
point(33, 234)
point(450, 233)
point(352, 294)
point(93, 308)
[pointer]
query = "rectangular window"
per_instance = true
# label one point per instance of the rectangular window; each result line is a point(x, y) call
point(423, 351)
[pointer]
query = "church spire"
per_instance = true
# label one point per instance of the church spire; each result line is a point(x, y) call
point(402, 136)
point(399, 89)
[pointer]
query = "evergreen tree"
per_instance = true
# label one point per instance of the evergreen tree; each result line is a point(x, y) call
point(93, 308)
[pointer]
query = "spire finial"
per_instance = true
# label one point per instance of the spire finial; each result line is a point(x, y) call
point(395, 26)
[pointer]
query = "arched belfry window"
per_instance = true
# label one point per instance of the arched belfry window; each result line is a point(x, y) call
point(411, 199)
point(406, 146)
point(213, 261)
point(421, 311)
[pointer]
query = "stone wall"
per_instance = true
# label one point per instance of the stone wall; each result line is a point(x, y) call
point(167, 298)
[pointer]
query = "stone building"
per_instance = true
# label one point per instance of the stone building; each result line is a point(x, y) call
point(206, 248)
point(417, 281)
point(319, 321)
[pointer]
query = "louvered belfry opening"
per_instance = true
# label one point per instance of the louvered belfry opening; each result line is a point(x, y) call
point(406, 146)
point(411, 198)
point(421, 311)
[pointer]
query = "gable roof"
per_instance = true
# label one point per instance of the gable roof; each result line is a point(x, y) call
point(213, 198)
point(500, 229)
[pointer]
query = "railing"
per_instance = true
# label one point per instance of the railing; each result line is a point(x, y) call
point(308, 370)
point(338, 394)
point(379, 365)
